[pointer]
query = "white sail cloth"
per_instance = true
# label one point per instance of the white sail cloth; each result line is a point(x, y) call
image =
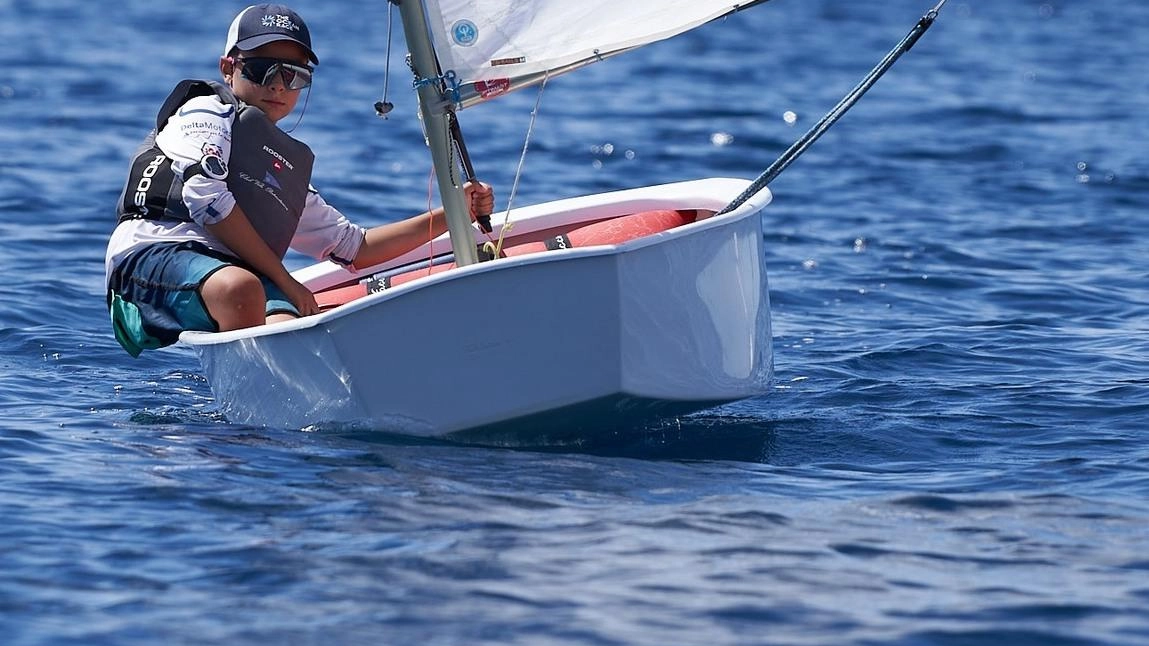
point(499, 42)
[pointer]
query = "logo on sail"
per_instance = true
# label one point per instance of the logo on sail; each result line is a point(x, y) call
point(494, 87)
point(464, 33)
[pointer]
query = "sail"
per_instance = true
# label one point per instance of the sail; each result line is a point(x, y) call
point(494, 46)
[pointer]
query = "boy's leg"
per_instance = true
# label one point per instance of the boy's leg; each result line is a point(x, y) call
point(234, 297)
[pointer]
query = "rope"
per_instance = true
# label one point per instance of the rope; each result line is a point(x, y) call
point(507, 224)
point(430, 220)
point(384, 107)
point(306, 100)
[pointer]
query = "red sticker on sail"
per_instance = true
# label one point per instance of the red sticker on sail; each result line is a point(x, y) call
point(494, 87)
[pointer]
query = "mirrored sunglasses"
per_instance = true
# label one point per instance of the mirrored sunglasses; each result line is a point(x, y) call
point(264, 70)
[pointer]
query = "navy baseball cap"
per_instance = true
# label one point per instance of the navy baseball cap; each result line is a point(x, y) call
point(266, 23)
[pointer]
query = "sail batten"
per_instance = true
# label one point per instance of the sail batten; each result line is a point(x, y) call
point(495, 46)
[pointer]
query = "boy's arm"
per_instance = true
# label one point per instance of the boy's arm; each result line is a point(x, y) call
point(386, 241)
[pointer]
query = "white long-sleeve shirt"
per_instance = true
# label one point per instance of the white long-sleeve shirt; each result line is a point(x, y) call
point(202, 124)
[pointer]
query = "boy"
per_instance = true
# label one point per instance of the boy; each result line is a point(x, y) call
point(217, 193)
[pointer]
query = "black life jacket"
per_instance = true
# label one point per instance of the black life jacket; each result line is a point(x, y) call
point(269, 172)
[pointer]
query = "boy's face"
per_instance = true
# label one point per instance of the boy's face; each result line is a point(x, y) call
point(275, 99)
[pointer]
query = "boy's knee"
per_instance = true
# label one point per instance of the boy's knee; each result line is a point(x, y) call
point(234, 297)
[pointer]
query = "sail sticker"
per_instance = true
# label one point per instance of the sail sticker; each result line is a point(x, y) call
point(493, 87)
point(464, 33)
point(495, 62)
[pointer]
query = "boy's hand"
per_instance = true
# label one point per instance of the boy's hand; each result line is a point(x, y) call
point(480, 202)
point(300, 297)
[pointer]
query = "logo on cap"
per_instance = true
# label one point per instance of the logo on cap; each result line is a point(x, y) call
point(279, 21)
point(261, 24)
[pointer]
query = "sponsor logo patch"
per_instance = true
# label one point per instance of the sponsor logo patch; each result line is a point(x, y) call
point(280, 159)
point(183, 112)
point(494, 87)
point(265, 187)
point(464, 33)
point(145, 184)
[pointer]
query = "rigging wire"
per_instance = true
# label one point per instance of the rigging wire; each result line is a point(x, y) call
point(519, 170)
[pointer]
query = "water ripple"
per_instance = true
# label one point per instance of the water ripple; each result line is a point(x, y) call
point(952, 452)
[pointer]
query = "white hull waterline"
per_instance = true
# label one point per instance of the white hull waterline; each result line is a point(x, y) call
point(559, 343)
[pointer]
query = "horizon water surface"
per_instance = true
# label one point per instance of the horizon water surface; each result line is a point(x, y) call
point(953, 452)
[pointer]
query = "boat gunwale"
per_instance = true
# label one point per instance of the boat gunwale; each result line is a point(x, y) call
point(614, 199)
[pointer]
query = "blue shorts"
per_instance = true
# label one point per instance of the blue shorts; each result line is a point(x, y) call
point(154, 294)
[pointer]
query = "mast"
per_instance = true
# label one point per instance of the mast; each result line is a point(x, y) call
point(436, 111)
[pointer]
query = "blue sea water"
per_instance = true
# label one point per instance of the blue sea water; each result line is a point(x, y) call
point(953, 452)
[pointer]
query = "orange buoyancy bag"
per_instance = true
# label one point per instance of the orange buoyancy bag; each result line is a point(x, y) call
point(612, 231)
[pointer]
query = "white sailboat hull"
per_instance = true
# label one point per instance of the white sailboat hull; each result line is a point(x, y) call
point(555, 344)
